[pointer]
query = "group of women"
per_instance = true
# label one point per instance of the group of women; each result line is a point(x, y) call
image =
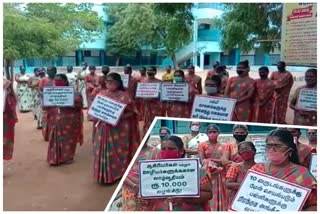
point(223, 168)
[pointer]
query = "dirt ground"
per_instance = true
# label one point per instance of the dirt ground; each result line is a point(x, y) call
point(30, 184)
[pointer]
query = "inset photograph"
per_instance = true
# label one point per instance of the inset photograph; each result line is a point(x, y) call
point(194, 165)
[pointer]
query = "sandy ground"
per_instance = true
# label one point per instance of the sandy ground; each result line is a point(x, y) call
point(31, 184)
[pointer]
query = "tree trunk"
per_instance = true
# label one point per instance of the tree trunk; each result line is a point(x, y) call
point(118, 61)
point(175, 63)
point(9, 69)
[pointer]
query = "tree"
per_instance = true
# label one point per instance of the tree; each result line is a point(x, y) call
point(243, 25)
point(161, 25)
point(45, 30)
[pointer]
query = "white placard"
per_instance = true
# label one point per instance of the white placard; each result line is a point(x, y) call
point(125, 80)
point(212, 108)
point(307, 100)
point(260, 145)
point(148, 89)
point(260, 192)
point(58, 96)
point(164, 178)
point(175, 92)
point(4, 99)
point(313, 165)
point(107, 109)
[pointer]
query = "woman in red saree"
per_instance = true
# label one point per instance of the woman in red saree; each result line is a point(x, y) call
point(304, 150)
point(114, 146)
point(9, 119)
point(181, 109)
point(282, 152)
point(194, 79)
point(43, 82)
point(210, 154)
point(242, 89)
point(172, 148)
point(264, 102)
point(152, 106)
point(283, 81)
point(237, 171)
point(301, 117)
point(212, 86)
point(133, 82)
point(66, 128)
point(130, 190)
point(91, 81)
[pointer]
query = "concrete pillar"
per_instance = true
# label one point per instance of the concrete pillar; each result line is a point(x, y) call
point(79, 58)
point(102, 57)
point(201, 61)
point(266, 59)
point(236, 56)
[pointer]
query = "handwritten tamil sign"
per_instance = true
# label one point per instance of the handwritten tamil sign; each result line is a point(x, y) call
point(299, 33)
point(260, 145)
point(313, 165)
point(4, 100)
point(164, 178)
point(148, 90)
point(58, 96)
point(260, 192)
point(307, 100)
point(212, 108)
point(175, 92)
point(125, 80)
point(107, 109)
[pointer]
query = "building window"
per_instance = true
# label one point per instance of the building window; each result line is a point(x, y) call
point(204, 26)
point(206, 59)
point(86, 53)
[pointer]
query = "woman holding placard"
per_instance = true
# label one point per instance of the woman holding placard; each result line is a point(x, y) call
point(114, 146)
point(237, 171)
point(242, 89)
point(173, 148)
point(66, 128)
point(9, 119)
point(181, 109)
point(210, 154)
point(152, 106)
point(284, 164)
point(301, 116)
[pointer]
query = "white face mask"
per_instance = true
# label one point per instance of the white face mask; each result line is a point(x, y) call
point(195, 128)
point(211, 90)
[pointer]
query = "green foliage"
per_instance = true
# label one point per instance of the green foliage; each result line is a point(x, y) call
point(244, 24)
point(46, 30)
point(161, 25)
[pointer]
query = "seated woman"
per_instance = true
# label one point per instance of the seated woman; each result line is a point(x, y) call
point(237, 171)
point(284, 164)
point(172, 148)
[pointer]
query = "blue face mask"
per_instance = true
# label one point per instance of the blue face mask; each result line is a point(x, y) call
point(163, 137)
point(312, 137)
point(178, 79)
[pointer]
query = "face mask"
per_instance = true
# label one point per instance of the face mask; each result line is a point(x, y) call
point(280, 68)
point(51, 74)
point(312, 137)
point(211, 90)
point(169, 154)
point(277, 158)
point(263, 77)
point(240, 72)
point(60, 83)
point(178, 79)
point(151, 74)
point(240, 137)
point(162, 137)
point(310, 81)
point(213, 136)
point(195, 128)
point(247, 155)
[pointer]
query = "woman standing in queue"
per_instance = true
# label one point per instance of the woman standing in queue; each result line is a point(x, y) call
point(302, 117)
point(9, 119)
point(242, 89)
point(213, 85)
point(152, 106)
point(44, 82)
point(210, 154)
point(172, 148)
point(237, 171)
point(181, 109)
point(66, 128)
point(284, 164)
point(114, 146)
point(23, 91)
